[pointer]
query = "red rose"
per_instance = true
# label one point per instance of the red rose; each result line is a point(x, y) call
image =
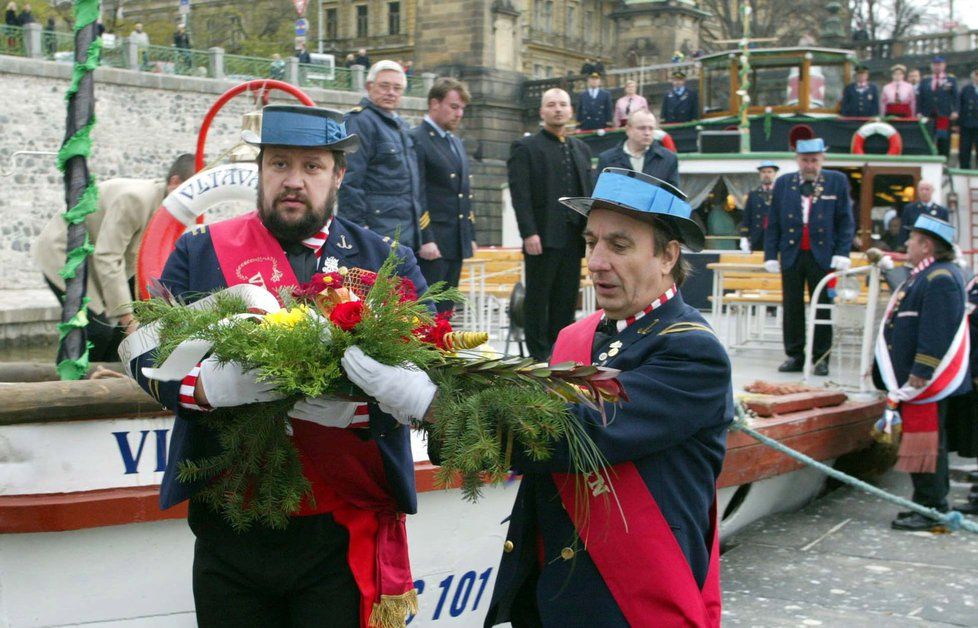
point(316, 285)
point(348, 315)
point(435, 334)
point(406, 290)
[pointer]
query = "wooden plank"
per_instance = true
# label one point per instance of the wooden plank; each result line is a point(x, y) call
point(66, 401)
point(769, 405)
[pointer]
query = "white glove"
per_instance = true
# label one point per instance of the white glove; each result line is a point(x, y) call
point(841, 263)
point(772, 266)
point(745, 245)
point(325, 411)
point(404, 392)
point(230, 385)
point(886, 263)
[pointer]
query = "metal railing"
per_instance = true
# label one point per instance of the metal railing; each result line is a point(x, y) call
point(173, 60)
point(312, 75)
point(243, 68)
point(12, 41)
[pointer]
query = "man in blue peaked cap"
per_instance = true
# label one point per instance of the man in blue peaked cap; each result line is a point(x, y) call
point(306, 574)
point(666, 443)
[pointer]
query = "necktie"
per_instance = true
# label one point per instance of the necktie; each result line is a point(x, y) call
point(606, 330)
point(807, 188)
point(628, 106)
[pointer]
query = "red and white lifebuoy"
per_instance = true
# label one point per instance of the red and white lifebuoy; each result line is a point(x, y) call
point(183, 206)
point(877, 128)
point(665, 139)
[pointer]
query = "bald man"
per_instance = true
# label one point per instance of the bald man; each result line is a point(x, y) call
point(923, 205)
point(543, 168)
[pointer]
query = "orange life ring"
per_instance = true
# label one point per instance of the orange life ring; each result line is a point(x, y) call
point(877, 128)
point(181, 209)
point(665, 139)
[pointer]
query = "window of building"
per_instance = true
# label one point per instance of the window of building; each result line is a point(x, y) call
point(332, 24)
point(393, 18)
point(569, 27)
point(548, 16)
point(588, 25)
point(537, 71)
point(363, 23)
point(550, 71)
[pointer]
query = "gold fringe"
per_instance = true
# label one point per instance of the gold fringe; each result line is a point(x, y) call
point(392, 611)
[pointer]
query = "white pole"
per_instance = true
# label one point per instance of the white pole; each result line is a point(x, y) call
point(319, 25)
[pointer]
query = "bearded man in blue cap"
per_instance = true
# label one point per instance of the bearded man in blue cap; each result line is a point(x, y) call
point(325, 567)
point(646, 555)
point(922, 360)
point(809, 232)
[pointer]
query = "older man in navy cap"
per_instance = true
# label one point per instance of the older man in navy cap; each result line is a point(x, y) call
point(922, 361)
point(809, 232)
point(322, 569)
point(757, 208)
point(938, 102)
point(650, 556)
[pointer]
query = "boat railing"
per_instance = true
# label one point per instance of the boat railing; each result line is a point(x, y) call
point(845, 301)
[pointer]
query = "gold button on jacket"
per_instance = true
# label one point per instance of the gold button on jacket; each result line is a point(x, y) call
point(508, 547)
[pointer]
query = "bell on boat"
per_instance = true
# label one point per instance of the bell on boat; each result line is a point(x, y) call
point(250, 121)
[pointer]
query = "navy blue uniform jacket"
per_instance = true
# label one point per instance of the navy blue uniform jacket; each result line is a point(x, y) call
point(447, 219)
point(595, 113)
point(677, 376)
point(830, 222)
point(918, 335)
point(864, 104)
point(676, 108)
point(659, 162)
point(968, 107)
point(942, 102)
point(756, 211)
point(192, 271)
point(382, 190)
point(912, 211)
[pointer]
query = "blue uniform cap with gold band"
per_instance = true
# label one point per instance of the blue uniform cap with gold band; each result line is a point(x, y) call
point(940, 229)
point(645, 198)
point(303, 127)
point(808, 147)
point(768, 164)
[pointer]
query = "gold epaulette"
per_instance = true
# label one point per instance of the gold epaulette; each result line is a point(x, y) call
point(679, 328)
point(199, 230)
point(356, 109)
point(939, 272)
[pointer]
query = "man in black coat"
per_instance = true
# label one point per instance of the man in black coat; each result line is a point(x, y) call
point(681, 104)
point(968, 120)
point(447, 229)
point(860, 99)
point(938, 102)
point(757, 209)
point(923, 205)
point(542, 169)
point(640, 152)
point(594, 107)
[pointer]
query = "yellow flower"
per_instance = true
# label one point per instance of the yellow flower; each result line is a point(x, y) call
point(286, 317)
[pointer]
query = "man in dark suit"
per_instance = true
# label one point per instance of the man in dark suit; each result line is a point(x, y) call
point(968, 121)
point(860, 99)
point(938, 102)
point(810, 228)
point(447, 223)
point(594, 107)
point(542, 169)
point(923, 205)
point(640, 151)
point(651, 551)
point(757, 209)
point(294, 234)
point(681, 104)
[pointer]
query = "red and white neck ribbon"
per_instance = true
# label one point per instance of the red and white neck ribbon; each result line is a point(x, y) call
point(316, 242)
point(663, 298)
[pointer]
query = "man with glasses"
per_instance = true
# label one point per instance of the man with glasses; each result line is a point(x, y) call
point(382, 190)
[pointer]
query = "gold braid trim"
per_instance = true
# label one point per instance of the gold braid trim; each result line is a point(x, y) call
point(392, 610)
point(678, 328)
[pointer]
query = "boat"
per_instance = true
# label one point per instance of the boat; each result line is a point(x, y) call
point(81, 461)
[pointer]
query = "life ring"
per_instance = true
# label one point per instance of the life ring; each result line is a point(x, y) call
point(186, 205)
point(665, 139)
point(877, 128)
point(181, 209)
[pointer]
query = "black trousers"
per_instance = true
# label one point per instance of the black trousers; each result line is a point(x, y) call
point(931, 489)
point(104, 336)
point(968, 141)
point(804, 272)
point(441, 269)
point(553, 280)
point(265, 578)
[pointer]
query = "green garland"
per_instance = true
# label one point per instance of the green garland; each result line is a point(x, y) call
point(484, 408)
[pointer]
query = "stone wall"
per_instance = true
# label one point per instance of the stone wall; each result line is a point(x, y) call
point(143, 122)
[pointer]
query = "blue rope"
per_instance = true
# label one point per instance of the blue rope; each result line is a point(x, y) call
point(954, 520)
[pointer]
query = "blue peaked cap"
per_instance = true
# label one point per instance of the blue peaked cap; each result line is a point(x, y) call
point(936, 227)
point(769, 164)
point(643, 197)
point(814, 145)
point(303, 127)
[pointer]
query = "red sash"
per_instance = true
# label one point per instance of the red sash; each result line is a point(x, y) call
point(901, 109)
point(347, 473)
point(638, 558)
